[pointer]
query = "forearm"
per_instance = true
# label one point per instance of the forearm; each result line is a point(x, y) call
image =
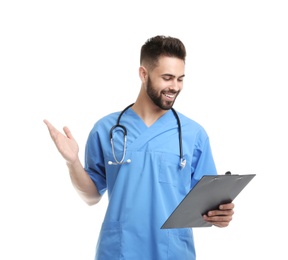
point(83, 183)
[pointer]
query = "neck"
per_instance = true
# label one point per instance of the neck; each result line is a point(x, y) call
point(148, 112)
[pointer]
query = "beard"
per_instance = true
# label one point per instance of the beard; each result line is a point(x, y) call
point(158, 99)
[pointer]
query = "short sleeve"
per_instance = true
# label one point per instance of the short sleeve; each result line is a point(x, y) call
point(203, 162)
point(94, 161)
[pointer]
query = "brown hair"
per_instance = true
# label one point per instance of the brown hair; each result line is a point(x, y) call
point(160, 45)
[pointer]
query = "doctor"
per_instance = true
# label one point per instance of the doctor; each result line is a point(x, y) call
point(147, 158)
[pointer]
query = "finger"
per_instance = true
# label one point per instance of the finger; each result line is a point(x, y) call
point(47, 122)
point(218, 218)
point(49, 125)
point(68, 132)
point(52, 130)
point(221, 224)
point(227, 206)
point(220, 213)
point(219, 221)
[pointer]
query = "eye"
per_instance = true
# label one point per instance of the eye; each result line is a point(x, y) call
point(167, 78)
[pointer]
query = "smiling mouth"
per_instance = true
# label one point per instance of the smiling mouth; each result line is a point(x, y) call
point(170, 96)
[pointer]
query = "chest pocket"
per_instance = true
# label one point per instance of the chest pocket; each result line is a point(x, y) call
point(171, 173)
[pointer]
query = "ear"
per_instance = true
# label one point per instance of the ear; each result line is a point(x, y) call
point(143, 73)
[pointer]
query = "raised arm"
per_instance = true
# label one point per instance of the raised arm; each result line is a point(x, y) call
point(68, 148)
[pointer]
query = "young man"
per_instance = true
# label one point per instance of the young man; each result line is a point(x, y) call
point(146, 177)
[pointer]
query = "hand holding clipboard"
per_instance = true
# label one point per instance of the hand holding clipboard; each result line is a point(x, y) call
point(207, 194)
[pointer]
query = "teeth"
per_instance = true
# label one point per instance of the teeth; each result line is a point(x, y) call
point(170, 96)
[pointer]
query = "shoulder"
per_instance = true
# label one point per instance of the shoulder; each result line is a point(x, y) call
point(193, 132)
point(105, 123)
point(190, 124)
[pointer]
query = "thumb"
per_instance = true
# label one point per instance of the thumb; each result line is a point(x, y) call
point(68, 132)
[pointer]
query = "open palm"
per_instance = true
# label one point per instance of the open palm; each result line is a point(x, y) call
point(66, 144)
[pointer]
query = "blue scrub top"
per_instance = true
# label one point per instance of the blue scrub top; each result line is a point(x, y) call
point(143, 193)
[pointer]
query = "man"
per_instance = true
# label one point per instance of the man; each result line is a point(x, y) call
point(146, 177)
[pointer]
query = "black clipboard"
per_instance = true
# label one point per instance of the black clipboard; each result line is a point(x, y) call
point(207, 194)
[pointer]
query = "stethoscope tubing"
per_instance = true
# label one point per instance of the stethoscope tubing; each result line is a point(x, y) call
point(182, 160)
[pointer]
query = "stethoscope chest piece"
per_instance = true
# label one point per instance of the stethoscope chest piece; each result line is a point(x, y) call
point(182, 163)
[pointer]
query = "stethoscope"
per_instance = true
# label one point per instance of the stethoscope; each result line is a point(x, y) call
point(118, 125)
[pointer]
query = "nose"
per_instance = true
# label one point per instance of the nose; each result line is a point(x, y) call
point(176, 85)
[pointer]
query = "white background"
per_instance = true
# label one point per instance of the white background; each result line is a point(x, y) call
point(75, 61)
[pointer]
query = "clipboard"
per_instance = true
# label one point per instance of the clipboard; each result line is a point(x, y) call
point(207, 194)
